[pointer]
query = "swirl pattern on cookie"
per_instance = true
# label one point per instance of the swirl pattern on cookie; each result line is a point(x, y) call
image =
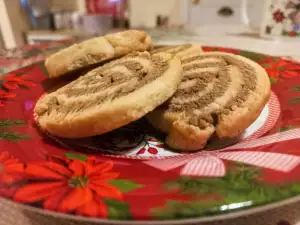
point(110, 96)
point(220, 94)
point(94, 51)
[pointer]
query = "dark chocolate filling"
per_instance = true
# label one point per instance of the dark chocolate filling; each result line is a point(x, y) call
point(201, 82)
point(219, 88)
point(249, 85)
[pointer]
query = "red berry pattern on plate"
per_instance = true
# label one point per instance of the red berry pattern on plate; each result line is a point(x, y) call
point(151, 147)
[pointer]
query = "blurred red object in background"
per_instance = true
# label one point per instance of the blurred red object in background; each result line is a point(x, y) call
point(114, 8)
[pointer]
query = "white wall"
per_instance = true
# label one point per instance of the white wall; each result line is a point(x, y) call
point(143, 12)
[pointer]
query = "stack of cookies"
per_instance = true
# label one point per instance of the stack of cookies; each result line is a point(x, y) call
point(184, 92)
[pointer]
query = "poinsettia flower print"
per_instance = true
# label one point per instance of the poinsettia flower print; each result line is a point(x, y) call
point(280, 68)
point(11, 82)
point(5, 96)
point(71, 186)
point(11, 170)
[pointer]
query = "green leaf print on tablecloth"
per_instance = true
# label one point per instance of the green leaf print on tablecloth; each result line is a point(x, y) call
point(8, 135)
point(125, 185)
point(80, 157)
point(10, 123)
point(295, 88)
point(294, 101)
point(118, 209)
point(240, 188)
point(43, 68)
point(253, 56)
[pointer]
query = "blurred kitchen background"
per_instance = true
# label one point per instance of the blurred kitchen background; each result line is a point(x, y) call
point(36, 21)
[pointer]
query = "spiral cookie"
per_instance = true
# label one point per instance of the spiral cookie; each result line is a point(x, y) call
point(96, 50)
point(220, 94)
point(110, 96)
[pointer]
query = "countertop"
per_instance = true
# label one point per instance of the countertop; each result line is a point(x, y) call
point(239, 37)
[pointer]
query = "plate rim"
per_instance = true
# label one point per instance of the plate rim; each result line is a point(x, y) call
point(214, 218)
